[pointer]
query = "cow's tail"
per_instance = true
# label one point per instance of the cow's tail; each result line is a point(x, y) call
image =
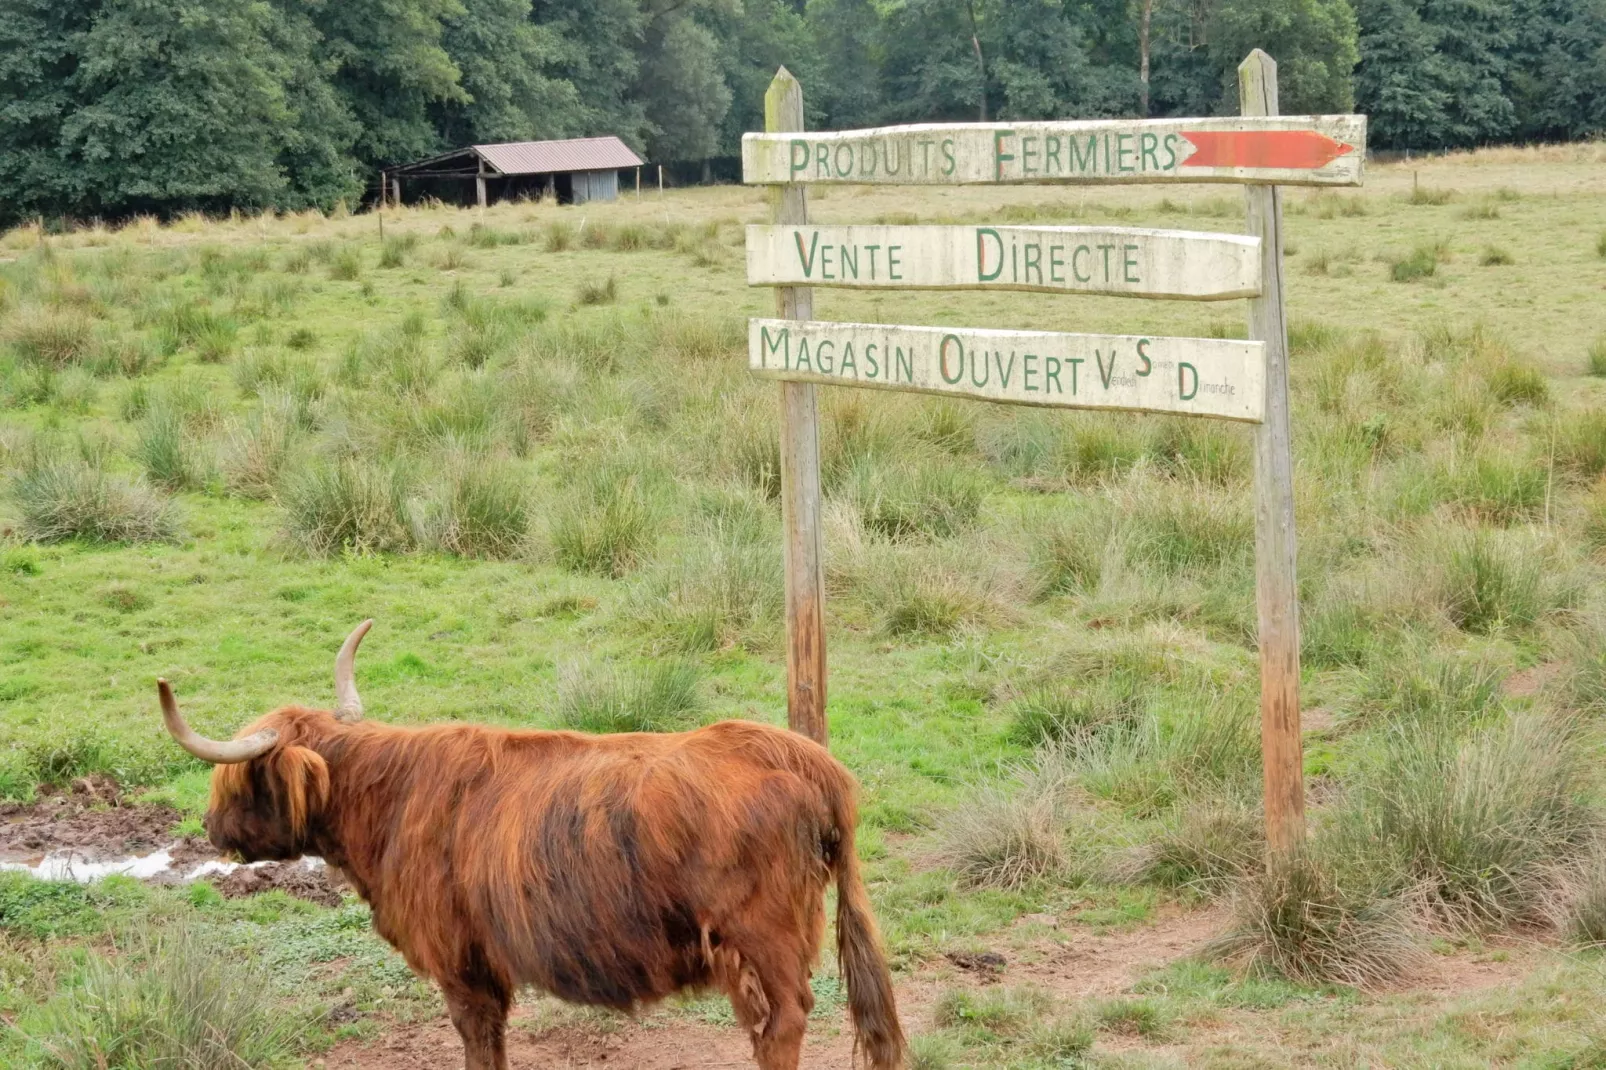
point(861, 957)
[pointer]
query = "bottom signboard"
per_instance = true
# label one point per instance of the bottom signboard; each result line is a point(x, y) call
point(1222, 378)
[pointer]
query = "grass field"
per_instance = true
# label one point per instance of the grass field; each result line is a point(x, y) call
point(524, 441)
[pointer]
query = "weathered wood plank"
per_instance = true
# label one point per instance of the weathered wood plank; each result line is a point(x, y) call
point(1108, 260)
point(1194, 376)
point(1276, 552)
point(1308, 150)
point(800, 466)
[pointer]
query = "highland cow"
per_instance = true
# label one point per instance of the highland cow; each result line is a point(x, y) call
point(606, 870)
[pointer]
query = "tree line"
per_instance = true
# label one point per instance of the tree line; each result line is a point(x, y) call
point(115, 107)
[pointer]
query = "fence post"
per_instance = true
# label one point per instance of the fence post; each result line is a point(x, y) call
point(800, 465)
point(1276, 592)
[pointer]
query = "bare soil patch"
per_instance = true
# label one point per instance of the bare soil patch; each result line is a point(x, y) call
point(92, 819)
point(1085, 963)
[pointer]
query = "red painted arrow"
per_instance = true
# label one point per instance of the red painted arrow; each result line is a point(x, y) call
point(1299, 150)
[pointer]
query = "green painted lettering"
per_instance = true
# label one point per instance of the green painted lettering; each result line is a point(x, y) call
point(1186, 389)
point(1088, 161)
point(800, 164)
point(807, 258)
point(1076, 263)
point(1032, 259)
point(950, 162)
point(1028, 153)
point(894, 267)
point(1073, 362)
point(870, 359)
point(982, 274)
point(1051, 374)
point(1028, 368)
point(803, 360)
point(849, 258)
point(841, 170)
point(1171, 151)
point(1105, 373)
point(872, 250)
point(906, 365)
point(849, 366)
point(1143, 355)
point(1129, 264)
point(822, 161)
point(1000, 157)
point(1051, 154)
point(1122, 151)
point(782, 345)
point(1005, 370)
point(1107, 250)
point(824, 357)
point(1056, 263)
point(959, 361)
point(1148, 144)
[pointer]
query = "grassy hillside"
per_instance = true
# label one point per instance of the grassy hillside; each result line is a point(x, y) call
point(524, 440)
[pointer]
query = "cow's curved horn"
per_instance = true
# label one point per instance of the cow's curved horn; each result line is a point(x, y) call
point(348, 705)
point(211, 750)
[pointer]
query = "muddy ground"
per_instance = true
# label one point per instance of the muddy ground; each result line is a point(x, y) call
point(93, 821)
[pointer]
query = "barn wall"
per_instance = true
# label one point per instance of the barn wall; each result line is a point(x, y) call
point(595, 186)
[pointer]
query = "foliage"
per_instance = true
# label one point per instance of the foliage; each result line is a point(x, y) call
point(658, 697)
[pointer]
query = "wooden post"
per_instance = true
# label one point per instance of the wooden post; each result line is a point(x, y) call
point(800, 464)
point(479, 184)
point(661, 172)
point(1276, 593)
point(395, 187)
point(638, 183)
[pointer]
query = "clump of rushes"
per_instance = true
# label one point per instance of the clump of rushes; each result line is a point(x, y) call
point(481, 508)
point(169, 998)
point(165, 449)
point(1488, 582)
point(927, 498)
point(1012, 833)
point(660, 697)
point(1420, 263)
point(1057, 712)
point(606, 525)
point(1477, 821)
point(724, 590)
point(350, 504)
point(592, 292)
point(1299, 919)
point(54, 339)
point(60, 496)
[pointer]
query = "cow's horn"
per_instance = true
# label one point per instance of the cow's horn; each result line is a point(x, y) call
point(348, 705)
point(211, 750)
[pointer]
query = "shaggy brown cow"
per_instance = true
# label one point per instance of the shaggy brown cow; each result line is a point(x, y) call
point(610, 870)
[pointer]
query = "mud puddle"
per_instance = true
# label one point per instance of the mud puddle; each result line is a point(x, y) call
point(89, 830)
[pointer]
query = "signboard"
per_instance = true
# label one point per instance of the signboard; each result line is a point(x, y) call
point(1130, 261)
point(1223, 378)
point(1296, 150)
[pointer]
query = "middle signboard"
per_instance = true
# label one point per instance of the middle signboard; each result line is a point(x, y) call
point(1110, 260)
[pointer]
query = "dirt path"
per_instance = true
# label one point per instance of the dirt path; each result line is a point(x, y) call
point(1076, 964)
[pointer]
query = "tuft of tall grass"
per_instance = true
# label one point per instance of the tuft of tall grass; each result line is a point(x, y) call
point(725, 589)
point(345, 265)
point(1496, 256)
point(1578, 906)
point(933, 595)
point(1208, 747)
point(658, 697)
point(1010, 834)
point(1419, 685)
point(591, 292)
point(1596, 356)
point(480, 508)
point(395, 250)
point(171, 998)
point(1207, 845)
point(53, 339)
point(606, 525)
point(1063, 711)
point(351, 504)
point(1420, 263)
point(1300, 919)
point(915, 499)
point(165, 449)
point(1477, 821)
point(60, 496)
point(1487, 582)
point(1068, 552)
point(1579, 441)
point(1430, 196)
point(258, 448)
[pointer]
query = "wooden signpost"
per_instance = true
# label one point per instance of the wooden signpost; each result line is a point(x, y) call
point(1245, 381)
point(1105, 260)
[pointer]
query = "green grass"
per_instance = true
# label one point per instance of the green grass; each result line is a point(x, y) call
point(660, 697)
point(516, 483)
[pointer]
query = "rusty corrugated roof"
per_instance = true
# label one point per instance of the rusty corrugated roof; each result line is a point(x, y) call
point(574, 154)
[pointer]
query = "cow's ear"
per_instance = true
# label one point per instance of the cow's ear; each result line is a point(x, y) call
point(303, 776)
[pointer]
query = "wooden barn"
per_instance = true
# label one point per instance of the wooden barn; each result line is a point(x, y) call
point(572, 171)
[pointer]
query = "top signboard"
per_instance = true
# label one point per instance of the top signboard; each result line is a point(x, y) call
point(1294, 150)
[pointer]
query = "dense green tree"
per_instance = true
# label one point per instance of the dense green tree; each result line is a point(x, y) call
point(509, 93)
point(1557, 77)
point(39, 55)
point(390, 69)
point(681, 84)
point(598, 46)
point(1053, 59)
point(1313, 42)
point(754, 43)
point(846, 35)
point(182, 105)
point(319, 133)
point(1400, 83)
